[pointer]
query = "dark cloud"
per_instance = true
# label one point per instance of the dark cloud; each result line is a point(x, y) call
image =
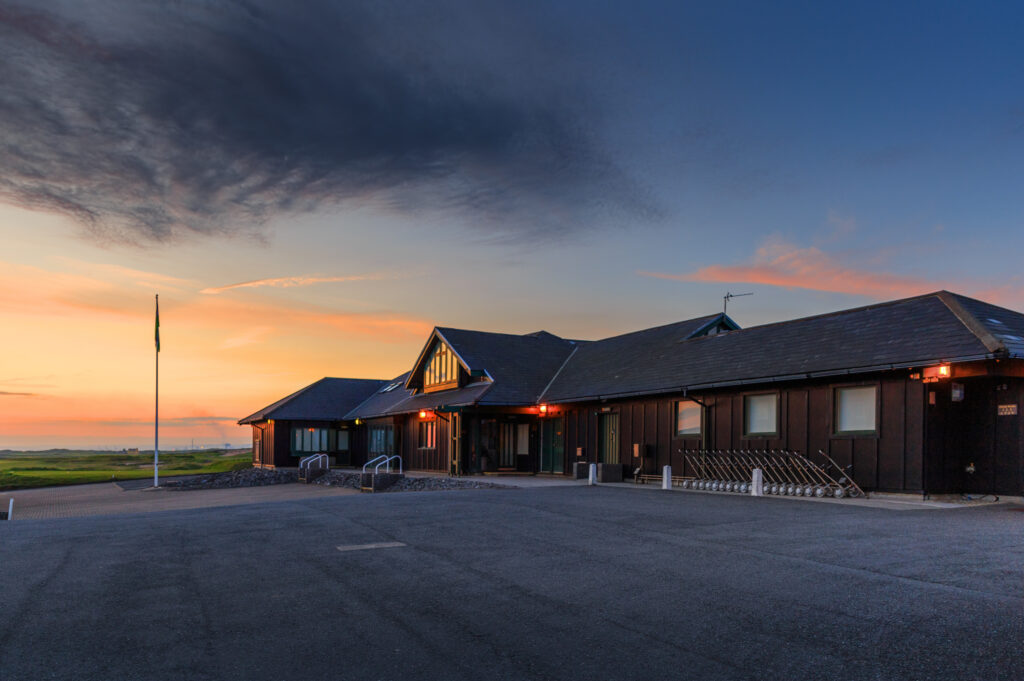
point(147, 121)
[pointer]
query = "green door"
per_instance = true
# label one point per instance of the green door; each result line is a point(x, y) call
point(552, 449)
point(608, 438)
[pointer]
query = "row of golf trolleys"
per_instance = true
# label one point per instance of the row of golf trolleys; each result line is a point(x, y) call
point(783, 473)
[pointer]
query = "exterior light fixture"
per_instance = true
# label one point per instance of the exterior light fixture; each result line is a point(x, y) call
point(423, 414)
point(543, 409)
point(936, 373)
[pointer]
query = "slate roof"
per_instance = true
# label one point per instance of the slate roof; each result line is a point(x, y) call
point(518, 367)
point(383, 401)
point(675, 358)
point(326, 400)
point(929, 329)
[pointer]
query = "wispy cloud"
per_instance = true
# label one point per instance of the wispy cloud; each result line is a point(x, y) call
point(4, 393)
point(120, 273)
point(288, 282)
point(787, 265)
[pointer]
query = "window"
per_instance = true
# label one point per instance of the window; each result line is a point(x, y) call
point(687, 418)
point(441, 369)
point(382, 440)
point(428, 435)
point(342, 445)
point(855, 409)
point(761, 415)
point(310, 439)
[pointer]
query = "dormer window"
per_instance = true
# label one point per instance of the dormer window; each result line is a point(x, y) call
point(441, 370)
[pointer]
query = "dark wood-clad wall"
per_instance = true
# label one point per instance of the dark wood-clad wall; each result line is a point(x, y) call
point(889, 460)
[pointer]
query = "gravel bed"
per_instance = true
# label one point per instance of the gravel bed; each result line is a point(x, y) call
point(247, 477)
point(408, 484)
point(257, 477)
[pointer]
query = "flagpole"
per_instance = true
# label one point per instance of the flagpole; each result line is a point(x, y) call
point(156, 403)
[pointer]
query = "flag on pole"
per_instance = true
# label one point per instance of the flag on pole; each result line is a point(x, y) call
point(158, 323)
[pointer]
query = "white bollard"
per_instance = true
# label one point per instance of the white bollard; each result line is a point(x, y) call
point(757, 484)
point(593, 474)
point(10, 509)
point(666, 477)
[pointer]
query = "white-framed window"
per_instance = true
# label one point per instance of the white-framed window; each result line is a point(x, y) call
point(761, 415)
point(856, 409)
point(688, 417)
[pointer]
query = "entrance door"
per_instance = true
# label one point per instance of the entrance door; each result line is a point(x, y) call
point(507, 447)
point(608, 438)
point(552, 445)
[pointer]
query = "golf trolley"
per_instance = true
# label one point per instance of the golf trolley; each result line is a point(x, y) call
point(784, 473)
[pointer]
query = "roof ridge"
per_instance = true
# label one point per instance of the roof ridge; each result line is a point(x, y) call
point(532, 334)
point(553, 377)
point(991, 343)
point(836, 313)
point(708, 317)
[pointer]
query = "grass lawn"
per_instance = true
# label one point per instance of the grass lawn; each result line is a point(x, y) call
point(63, 467)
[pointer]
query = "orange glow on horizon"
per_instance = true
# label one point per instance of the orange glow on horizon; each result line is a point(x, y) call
point(84, 375)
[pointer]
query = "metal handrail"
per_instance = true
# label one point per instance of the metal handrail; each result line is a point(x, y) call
point(388, 463)
point(375, 460)
point(308, 461)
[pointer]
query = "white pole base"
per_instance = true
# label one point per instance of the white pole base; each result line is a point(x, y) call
point(666, 477)
point(592, 480)
point(757, 483)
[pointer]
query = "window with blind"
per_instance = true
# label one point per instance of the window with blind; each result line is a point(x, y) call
point(856, 410)
point(687, 419)
point(761, 415)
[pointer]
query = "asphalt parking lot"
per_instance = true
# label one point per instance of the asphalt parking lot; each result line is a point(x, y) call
point(556, 583)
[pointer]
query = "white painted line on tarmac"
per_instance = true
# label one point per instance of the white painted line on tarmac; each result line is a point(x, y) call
point(364, 547)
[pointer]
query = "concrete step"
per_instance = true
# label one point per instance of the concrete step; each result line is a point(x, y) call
point(375, 482)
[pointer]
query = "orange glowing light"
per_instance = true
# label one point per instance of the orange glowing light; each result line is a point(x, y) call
point(932, 374)
point(423, 414)
point(543, 409)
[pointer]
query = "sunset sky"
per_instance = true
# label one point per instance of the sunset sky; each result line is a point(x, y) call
point(311, 190)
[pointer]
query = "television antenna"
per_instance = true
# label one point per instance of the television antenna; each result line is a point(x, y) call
point(728, 296)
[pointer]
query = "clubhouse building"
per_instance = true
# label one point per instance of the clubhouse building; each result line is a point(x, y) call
point(916, 395)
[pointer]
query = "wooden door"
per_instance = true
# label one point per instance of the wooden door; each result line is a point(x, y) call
point(552, 449)
point(507, 447)
point(608, 438)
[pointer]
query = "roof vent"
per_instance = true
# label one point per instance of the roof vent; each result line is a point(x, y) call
point(996, 321)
